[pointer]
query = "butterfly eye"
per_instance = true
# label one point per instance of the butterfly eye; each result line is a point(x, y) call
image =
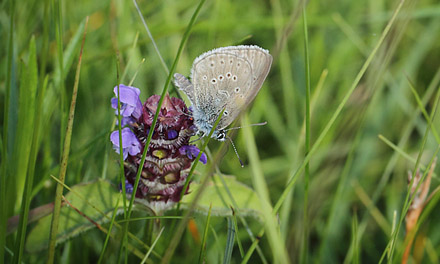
point(221, 136)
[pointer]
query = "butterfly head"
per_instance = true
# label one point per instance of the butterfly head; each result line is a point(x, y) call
point(220, 135)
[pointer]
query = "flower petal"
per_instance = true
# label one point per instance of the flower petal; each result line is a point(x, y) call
point(172, 134)
point(131, 104)
point(203, 158)
point(191, 151)
point(130, 143)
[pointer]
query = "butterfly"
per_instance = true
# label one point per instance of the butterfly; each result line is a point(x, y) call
point(226, 78)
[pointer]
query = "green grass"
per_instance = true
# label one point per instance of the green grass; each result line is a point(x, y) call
point(350, 102)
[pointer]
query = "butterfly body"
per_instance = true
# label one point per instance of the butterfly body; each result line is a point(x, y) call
point(224, 79)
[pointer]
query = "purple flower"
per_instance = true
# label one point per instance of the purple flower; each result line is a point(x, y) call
point(130, 144)
point(172, 134)
point(128, 187)
point(126, 121)
point(131, 105)
point(191, 152)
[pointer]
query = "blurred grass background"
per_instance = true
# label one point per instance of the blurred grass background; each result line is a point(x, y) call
point(353, 174)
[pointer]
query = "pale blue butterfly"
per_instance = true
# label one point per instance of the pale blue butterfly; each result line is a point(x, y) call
point(224, 78)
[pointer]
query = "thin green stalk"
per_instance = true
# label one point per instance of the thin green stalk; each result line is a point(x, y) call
point(305, 246)
point(159, 105)
point(162, 62)
point(107, 238)
point(121, 162)
point(425, 113)
point(130, 61)
point(398, 150)
point(205, 236)
point(285, 68)
point(152, 246)
point(132, 248)
point(253, 247)
point(393, 160)
point(339, 108)
point(164, 91)
point(344, 176)
point(330, 123)
point(287, 205)
point(389, 249)
point(196, 161)
point(354, 239)
point(65, 158)
point(271, 223)
point(104, 215)
point(136, 73)
point(409, 198)
point(243, 221)
point(240, 246)
point(121, 152)
point(181, 228)
point(229, 241)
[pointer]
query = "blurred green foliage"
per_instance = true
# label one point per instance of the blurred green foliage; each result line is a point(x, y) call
point(352, 173)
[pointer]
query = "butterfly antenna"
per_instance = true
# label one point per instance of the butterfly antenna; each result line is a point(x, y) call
point(257, 124)
point(236, 153)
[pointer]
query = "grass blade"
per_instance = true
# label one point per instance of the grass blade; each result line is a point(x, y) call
point(354, 239)
point(181, 228)
point(205, 236)
point(164, 92)
point(152, 246)
point(27, 114)
point(260, 185)
point(65, 158)
point(164, 65)
point(107, 238)
point(6, 157)
point(229, 241)
point(332, 119)
point(409, 198)
point(240, 246)
point(305, 245)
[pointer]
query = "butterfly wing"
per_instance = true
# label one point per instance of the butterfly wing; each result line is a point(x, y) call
point(184, 85)
point(220, 81)
point(229, 78)
point(225, 78)
point(260, 60)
